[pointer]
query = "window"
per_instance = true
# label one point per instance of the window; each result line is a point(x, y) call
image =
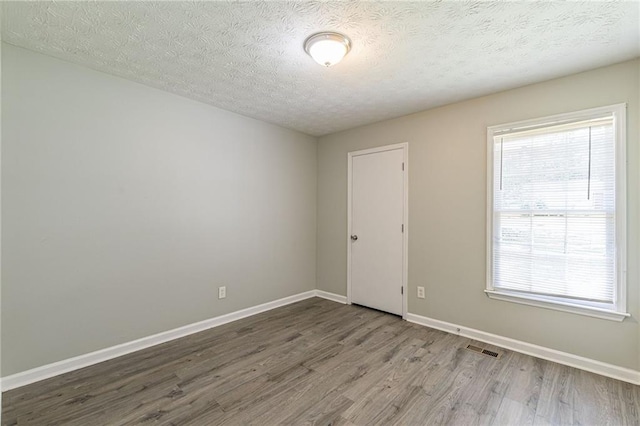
point(557, 212)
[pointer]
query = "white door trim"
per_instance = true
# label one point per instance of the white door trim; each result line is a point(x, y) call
point(405, 236)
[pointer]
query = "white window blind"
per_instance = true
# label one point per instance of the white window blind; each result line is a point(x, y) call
point(554, 210)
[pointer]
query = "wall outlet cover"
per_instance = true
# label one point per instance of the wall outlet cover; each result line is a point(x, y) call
point(222, 292)
point(420, 292)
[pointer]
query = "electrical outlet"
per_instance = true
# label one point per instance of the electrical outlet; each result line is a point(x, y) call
point(420, 292)
point(222, 292)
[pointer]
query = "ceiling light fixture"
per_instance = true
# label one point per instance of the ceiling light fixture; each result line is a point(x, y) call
point(327, 48)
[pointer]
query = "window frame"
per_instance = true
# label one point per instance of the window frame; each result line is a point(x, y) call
point(616, 311)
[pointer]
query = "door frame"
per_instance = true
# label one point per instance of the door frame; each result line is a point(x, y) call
point(405, 236)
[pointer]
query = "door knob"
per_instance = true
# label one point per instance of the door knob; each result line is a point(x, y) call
point(354, 238)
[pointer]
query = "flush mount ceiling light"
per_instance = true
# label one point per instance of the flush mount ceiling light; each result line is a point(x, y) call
point(327, 48)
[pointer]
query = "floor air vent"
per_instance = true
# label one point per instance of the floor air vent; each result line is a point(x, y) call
point(483, 351)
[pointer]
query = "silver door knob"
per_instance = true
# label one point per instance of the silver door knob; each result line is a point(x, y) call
point(354, 238)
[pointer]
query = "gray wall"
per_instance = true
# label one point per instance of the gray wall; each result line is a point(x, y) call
point(125, 207)
point(447, 216)
point(1, 8)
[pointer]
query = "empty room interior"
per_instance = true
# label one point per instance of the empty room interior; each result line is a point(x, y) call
point(332, 213)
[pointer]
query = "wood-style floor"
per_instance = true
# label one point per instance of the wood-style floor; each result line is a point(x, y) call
point(319, 362)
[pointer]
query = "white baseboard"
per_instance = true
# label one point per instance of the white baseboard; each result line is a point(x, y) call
point(332, 296)
point(591, 365)
point(50, 370)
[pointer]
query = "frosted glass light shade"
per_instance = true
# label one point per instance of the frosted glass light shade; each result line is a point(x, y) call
point(327, 48)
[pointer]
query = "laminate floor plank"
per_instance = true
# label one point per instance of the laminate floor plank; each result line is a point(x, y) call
point(479, 403)
point(184, 352)
point(513, 412)
point(555, 405)
point(524, 382)
point(450, 376)
point(319, 362)
point(294, 398)
point(379, 404)
point(119, 401)
point(628, 398)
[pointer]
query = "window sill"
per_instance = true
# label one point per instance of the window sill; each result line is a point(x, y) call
point(542, 302)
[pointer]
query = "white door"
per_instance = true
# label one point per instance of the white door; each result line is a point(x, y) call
point(377, 230)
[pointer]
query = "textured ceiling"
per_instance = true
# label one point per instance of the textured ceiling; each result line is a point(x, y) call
point(247, 57)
